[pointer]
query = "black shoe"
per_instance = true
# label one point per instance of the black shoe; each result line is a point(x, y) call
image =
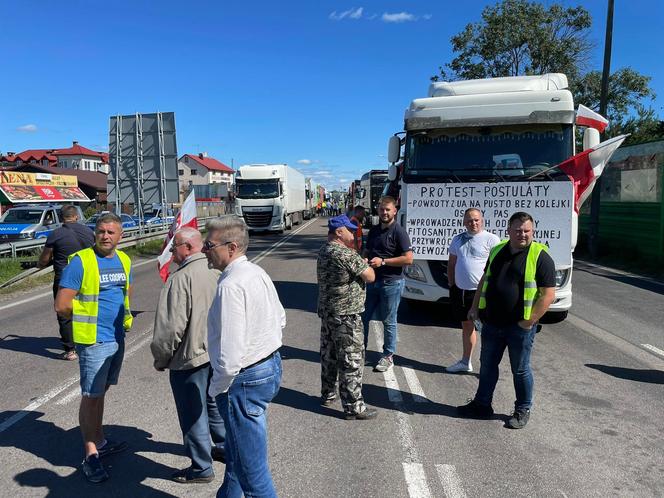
point(94, 470)
point(111, 447)
point(475, 410)
point(185, 476)
point(367, 414)
point(218, 454)
point(519, 419)
point(328, 400)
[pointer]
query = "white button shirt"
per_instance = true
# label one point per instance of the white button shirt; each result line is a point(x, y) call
point(244, 322)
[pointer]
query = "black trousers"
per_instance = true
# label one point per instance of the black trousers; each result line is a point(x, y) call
point(64, 324)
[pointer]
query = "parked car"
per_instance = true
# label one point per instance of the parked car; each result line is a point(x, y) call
point(31, 221)
point(128, 223)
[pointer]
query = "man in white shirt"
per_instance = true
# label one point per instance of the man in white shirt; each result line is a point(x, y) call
point(244, 336)
point(469, 252)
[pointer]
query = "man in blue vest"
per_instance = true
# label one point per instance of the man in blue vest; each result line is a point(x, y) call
point(517, 288)
point(94, 292)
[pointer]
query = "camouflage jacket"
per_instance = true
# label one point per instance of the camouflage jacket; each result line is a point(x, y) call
point(341, 290)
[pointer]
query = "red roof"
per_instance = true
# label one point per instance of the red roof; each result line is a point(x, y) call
point(78, 150)
point(27, 155)
point(209, 162)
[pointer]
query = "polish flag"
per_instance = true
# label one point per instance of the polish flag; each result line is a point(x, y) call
point(185, 218)
point(591, 119)
point(584, 168)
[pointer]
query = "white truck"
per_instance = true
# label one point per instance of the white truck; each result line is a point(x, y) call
point(270, 196)
point(487, 144)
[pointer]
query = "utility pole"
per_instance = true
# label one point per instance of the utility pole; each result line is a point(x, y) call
point(593, 233)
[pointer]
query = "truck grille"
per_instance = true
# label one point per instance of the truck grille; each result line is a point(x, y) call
point(258, 219)
point(438, 271)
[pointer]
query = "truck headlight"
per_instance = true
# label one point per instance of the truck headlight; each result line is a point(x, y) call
point(414, 272)
point(561, 277)
point(238, 211)
point(276, 210)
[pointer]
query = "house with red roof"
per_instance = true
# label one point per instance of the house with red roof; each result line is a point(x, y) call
point(201, 169)
point(74, 157)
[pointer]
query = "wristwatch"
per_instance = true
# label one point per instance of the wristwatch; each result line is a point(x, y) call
point(382, 261)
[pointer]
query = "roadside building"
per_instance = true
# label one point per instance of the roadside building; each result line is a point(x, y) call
point(74, 157)
point(201, 169)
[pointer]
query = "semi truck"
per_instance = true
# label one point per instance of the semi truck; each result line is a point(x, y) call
point(270, 197)
point(491, 144)
point(372, 184)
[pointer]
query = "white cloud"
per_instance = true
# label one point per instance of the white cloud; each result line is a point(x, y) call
point(350, 14)
point(398, 17)
point(304, 161)
point(28, 128)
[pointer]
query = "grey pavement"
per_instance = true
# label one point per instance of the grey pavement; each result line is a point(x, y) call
point(595, 430)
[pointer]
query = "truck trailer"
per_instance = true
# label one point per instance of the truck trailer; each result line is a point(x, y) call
point(492, 144)
point(270, 197)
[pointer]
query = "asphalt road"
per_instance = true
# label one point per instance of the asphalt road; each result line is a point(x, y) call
point(595, 430)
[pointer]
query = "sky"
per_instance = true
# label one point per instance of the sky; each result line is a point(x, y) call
point(318, 85)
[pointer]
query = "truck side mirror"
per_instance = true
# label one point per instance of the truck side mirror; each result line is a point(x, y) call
point(393, 149)
point(392, 172)
point(590, 138)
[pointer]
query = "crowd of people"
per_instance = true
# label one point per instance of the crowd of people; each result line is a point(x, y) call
point(223, 361)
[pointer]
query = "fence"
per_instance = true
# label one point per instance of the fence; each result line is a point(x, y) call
point(632, 203)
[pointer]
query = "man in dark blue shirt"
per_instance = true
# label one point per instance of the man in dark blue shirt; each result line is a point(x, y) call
point(387, 251)
point(60, 244)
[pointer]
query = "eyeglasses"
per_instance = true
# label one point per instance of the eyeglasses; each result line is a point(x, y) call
point(208, 246)
point(174, 246)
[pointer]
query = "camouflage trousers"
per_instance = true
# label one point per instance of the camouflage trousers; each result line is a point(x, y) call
point(342, 356)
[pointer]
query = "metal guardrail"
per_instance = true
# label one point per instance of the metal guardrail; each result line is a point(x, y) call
point(149, 233)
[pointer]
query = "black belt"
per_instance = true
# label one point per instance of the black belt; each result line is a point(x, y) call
point(268, 357)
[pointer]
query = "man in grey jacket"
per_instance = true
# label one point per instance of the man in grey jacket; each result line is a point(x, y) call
point(180, 345)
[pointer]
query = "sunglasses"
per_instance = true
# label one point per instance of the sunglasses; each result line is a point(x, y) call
point(208, 246)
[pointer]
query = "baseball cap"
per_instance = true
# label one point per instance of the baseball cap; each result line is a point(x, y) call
point(340, 221)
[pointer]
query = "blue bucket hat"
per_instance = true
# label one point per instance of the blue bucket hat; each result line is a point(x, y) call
point(340, 221)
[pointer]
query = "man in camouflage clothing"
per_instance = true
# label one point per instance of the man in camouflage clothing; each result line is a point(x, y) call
point(342, 274)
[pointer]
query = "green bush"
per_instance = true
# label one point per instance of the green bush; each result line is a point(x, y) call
point(89, 212)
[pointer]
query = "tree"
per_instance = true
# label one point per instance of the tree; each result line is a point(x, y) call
point(517, 37)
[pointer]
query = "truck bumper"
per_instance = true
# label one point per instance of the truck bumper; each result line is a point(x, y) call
point(274, 225)
point(420, 291)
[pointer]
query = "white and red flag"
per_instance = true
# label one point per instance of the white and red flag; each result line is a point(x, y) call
point(584, 168)
point(588, 117)
point(185, 218)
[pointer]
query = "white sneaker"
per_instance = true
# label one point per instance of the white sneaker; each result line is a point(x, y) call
point(460, 366)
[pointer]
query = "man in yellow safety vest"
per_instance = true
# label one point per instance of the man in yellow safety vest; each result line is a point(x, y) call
point(94, 292)
point(517, 288)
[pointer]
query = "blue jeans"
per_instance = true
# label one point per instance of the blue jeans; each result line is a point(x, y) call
point(99, 365)
point(198, 415)
point(519, 344)
point(243, 408)
point(382, 303)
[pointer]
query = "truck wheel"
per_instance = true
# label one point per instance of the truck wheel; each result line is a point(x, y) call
point(288, 221)
point(297, 218)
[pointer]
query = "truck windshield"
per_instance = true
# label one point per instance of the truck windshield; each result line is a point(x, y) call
point(257, 189)
point(499, 152)
point(25, 216)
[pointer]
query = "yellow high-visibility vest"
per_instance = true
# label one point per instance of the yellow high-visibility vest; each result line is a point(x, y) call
point(86, 302)
point(530, 290)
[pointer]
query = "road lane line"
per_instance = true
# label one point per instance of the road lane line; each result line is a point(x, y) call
point(414, 385)
point(47, 397)
point(269, 250)
point(413, 470)
point(136, 345)
point(416, 480)
point(450, 481)
point(655, 350)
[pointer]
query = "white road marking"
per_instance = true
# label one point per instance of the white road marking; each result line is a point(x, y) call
point(450, 481)
point(274, 246)
point(414, 385)
point(416, 480)
point(55, 391)
point(413, 470)
point(655, 350)
point(136, 345)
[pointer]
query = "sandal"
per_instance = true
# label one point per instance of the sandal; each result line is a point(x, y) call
point(69, 355)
